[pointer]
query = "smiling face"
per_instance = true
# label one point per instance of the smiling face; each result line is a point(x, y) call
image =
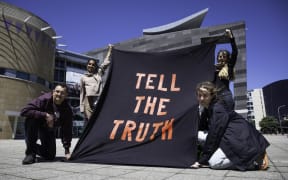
point(59, 94)
point(222, 57)
point(91, 66)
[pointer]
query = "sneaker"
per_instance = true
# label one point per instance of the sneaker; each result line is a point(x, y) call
point(29, 159)
point(196, 165)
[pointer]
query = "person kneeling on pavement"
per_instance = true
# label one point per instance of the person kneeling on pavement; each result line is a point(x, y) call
point(42, 115)
point(229, 141)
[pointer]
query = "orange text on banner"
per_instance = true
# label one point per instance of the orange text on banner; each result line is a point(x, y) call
point(165, 128)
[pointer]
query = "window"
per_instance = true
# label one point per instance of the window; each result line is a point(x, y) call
point(2, 71)
point(22, 75)
point(60, 63)
point(33, 78)
point(59, 75)
point(10, 73)
point(25, 76)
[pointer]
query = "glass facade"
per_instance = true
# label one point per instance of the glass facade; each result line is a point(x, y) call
point(11, 73)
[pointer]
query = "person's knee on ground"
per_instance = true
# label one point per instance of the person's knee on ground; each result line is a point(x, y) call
point(219, 160)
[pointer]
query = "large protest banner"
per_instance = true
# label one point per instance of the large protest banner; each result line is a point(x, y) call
point(144, 114)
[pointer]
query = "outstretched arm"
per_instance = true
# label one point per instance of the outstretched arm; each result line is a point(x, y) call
point(110, 47)
point(234, 54)
point(106, 61)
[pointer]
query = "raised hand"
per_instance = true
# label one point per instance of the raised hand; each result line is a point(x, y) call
point(228, 33)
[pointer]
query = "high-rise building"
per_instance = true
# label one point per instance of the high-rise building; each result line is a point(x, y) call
point(256, 107)
point(276, 98)
point(276, 102)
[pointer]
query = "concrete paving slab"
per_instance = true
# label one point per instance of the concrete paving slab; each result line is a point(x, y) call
point(12, 154)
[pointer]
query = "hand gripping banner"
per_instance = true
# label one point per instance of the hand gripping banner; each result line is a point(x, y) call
point(144, 114)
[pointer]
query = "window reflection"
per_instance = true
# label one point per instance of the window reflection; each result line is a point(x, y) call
point(11, 73)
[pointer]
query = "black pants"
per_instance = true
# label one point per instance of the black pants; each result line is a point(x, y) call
point(34, 129)
point(228, 100)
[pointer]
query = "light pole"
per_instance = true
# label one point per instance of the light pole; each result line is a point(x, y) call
point(279, 117)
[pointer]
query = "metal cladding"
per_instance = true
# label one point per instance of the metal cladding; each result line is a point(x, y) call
point(191, 22)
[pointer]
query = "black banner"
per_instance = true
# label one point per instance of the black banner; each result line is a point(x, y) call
point(144, 115)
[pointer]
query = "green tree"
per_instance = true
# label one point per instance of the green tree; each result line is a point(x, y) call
point(269, 125)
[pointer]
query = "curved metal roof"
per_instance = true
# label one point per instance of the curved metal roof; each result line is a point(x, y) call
point(191, 22)
point(26, 17)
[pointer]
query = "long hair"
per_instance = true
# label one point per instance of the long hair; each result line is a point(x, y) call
point(228, 54)
point(209, 86)
point(224, 72)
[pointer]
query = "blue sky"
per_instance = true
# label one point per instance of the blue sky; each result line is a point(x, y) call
point(92, 24)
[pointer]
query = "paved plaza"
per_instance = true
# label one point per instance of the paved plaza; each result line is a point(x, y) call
point(12, 153)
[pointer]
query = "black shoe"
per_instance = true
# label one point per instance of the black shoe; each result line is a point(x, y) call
point(29, 159)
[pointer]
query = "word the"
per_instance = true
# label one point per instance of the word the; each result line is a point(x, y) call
point(150, 104)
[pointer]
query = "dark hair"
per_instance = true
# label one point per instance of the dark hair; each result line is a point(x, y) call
point(95, 60)
point(225, 52)
point(96, 64)
point(63, 85)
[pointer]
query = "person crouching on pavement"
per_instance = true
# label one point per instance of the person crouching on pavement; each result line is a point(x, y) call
point(231, 142)
point(42, 115)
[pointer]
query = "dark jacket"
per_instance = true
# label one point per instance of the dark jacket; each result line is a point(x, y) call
point(223, 84)
point(239, 140)
point(38, 107)
point(202, 118)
